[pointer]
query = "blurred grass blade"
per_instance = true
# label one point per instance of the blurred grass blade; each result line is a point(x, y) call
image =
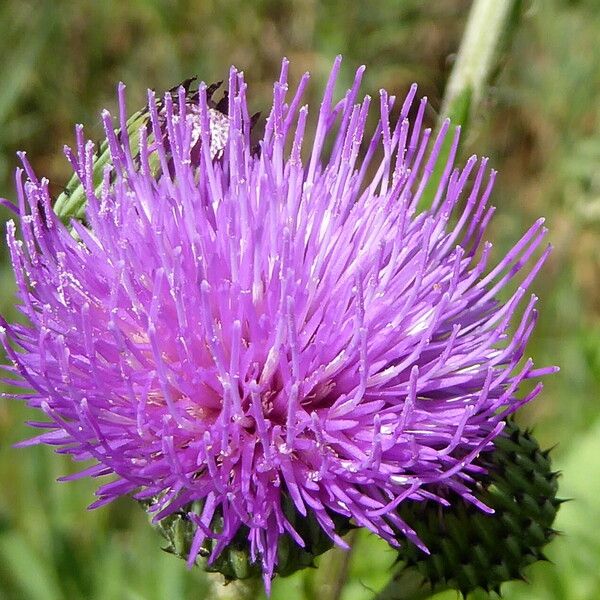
point(34, 578)
point(19, 68)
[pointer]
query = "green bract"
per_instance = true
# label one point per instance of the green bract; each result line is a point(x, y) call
point(471, 549)
point(72, 202)
point(235, 562)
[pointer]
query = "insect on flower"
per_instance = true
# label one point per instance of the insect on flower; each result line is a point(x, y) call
point(71, 203)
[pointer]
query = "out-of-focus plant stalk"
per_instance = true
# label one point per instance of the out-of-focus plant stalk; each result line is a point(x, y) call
point(487, 36)
point(335, 568)
point(486, 31)
point(248, 589)
point(409, 585)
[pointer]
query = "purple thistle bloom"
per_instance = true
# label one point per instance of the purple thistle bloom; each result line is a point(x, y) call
point(241, 328)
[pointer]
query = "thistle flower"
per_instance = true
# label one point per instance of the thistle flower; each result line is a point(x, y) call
point(234, 333)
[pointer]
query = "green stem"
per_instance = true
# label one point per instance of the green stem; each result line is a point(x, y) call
point(484, 34)
point(341, 577)
point(409, 584)
point(488, 30)
point(247, 589)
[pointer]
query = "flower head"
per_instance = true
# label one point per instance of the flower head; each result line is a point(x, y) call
point(241, 330)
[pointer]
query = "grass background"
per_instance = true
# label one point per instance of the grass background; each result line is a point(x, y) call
point(540, 124)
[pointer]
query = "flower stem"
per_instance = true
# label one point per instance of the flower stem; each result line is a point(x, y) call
point(344, 567)
point(247, 589)
point(409, 584)
point(486, 31)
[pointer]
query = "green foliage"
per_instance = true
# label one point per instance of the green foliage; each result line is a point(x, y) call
point(540, 123)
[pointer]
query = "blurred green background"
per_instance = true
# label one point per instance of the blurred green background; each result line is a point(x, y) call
point(540, 124)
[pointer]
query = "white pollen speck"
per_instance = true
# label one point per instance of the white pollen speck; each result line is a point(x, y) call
point(401, 479)
point(314, 476)
point(284, 449)
point(349, 466)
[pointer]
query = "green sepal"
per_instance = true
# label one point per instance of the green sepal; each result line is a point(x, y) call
point(235, 562)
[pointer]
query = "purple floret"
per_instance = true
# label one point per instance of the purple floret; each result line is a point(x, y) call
point(246, 325)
